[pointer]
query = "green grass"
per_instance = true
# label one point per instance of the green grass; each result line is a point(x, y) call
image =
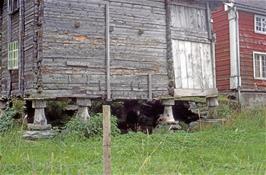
point(237, 148)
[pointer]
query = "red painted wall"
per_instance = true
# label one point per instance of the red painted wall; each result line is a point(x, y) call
point(222, 49)
point(249, 42)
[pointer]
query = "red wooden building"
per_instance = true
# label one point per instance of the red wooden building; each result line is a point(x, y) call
point(240, 28)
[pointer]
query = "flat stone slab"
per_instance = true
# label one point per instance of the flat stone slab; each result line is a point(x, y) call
point(196, 126)
point(71, 107)
point(36, 127)
point(167, 127)
point(34, 135)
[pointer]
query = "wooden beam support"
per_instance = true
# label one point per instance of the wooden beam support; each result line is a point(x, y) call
point(107, 140)
point(212, 40)
point(21, 46)
point(107, 49)
point(150, 87)
point(196, 93)
point(170, 61)
point(9, 32)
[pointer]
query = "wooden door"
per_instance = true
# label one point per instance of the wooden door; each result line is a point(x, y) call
point(192, 65)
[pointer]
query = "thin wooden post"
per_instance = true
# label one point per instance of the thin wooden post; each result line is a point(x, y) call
point(150, 86)
point(107, 50)
point(9, 34)
point(21, 45)
point(106, 140)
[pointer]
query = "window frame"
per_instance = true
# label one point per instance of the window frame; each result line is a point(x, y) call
point(13, 55)
point(255, 24)
point(254, 64)
point(11, 9)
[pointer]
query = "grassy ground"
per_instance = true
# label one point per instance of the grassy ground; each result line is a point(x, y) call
point(239, 147)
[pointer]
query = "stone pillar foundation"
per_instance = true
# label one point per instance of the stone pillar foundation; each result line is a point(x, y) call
point(39, 129)
point(168, 116)
point(83, 112)
point(2, 107)
point(212, 103)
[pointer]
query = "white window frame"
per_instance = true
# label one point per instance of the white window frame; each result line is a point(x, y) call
point(255, 24)
point(13, 55)
point(254, 66)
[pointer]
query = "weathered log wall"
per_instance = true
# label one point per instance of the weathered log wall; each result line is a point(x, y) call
point(29, 49)
point(74, 60)
point(1, 30)
point(15, 34)
point(65, 48)
point(4, 72)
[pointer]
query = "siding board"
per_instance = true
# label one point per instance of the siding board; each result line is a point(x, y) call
point(222, 49)
point(249, 42)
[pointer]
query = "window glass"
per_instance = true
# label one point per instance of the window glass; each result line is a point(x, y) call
point(260, 24)
point(13, 55)
point(260, 65)
point(263, 57)
point(257, 66)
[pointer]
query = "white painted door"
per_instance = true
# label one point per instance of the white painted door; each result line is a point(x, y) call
point(192, 65)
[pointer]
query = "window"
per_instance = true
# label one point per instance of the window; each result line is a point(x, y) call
point(260, 24)
point(259, 65)
point(13, 6)
point(13, 55)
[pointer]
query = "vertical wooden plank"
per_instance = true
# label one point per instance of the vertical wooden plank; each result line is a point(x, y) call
point(198, 19)
point(195, 68)
point(203, 21)
point(107, 49)
point(107, 140)
point(182, 17)
point(193, 18)
point(9, 32)
point(21, 47)
point(150, 86)
point(201, 65)
point(170, 67)
point(212, 45)
point(206, 66)
point(209, 70)
point(177, 64)
point(179, 16)
point(208, 17)
point(183, 61)
point(189, 64)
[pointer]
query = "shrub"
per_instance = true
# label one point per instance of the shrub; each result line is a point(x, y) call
point(92, 128)
point(56, 108)
point(7, 120)
point(56, 112)
point(249, 119)
point(18, 106)
point(227, 107)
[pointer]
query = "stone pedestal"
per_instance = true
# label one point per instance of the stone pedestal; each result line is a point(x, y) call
point(168, 116)
point(2, 107)
point(212, 103)
point(83, 112)
point(39, 129)
point(167, 120)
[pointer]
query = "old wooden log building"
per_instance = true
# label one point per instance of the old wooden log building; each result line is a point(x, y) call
point(111, 49)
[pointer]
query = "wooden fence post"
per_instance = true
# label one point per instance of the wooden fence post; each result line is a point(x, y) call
point(106, 140)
